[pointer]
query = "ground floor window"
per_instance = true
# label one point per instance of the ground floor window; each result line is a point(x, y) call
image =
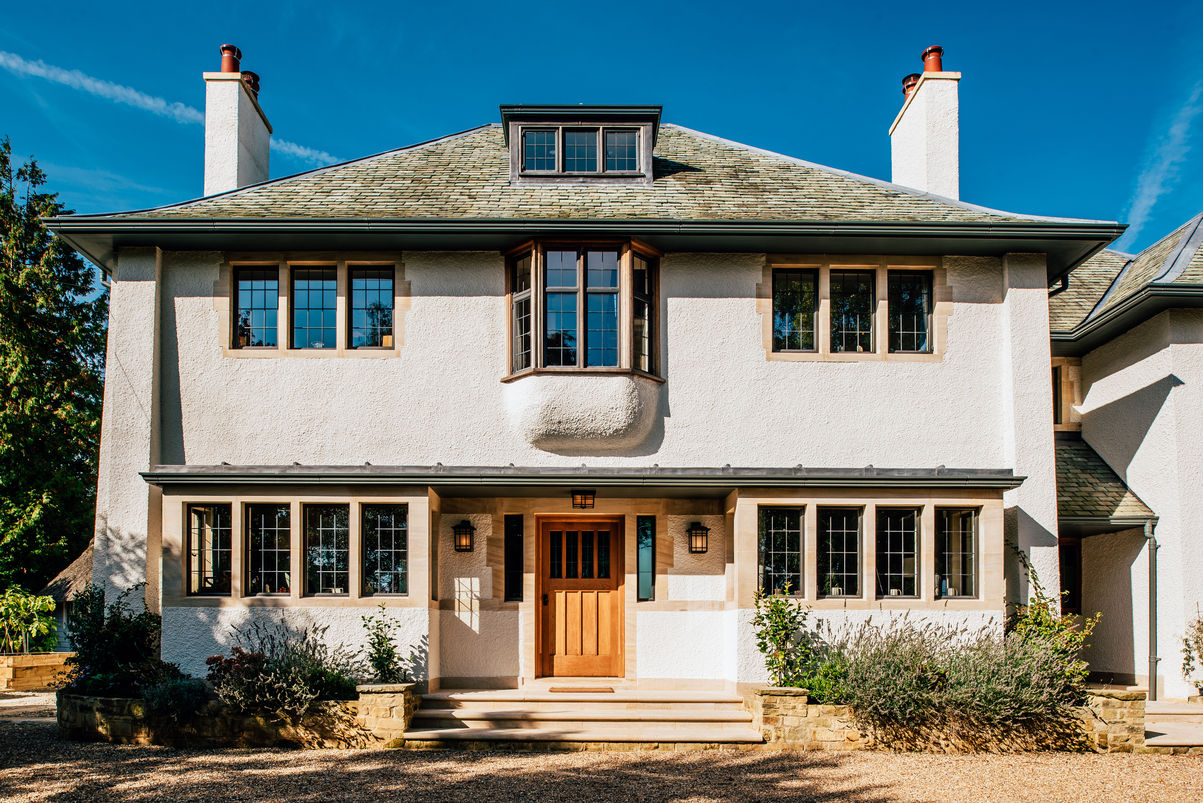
point(209, 549)
point(385, 533)
point(645, 548)
point(956, 553)
point(269, 548)
point(781, 549)
point(513, 558)
point(897, 552)
point(839, 551)
point(327, 548)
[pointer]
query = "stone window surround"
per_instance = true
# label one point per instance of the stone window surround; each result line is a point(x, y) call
point(1071, 394)
point(881, 265)
point(223, 299)
point(627, 248)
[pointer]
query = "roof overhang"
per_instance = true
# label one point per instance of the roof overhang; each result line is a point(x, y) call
point(1067, 244)
point(1132, 311)
point(518, 481)
point(524, 113)
point(1086, 526)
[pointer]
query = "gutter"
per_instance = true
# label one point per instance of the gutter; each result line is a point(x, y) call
point(1133, 310)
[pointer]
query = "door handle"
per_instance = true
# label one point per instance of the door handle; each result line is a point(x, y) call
point(544, 599)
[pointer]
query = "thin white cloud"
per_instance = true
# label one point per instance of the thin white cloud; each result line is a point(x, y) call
point(128, 96)
point(1160, 171)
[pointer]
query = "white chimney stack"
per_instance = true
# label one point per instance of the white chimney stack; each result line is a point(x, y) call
point(925, 138)
point(237, 134)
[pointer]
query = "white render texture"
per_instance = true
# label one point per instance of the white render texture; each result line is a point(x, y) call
point(574, 413)
point(925, 139)
point(192, 634)
point(1142, 403)
point(703, 576)
point(237, 135)
point(682, 644)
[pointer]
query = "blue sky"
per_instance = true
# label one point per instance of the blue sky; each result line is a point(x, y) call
point(1078, 110)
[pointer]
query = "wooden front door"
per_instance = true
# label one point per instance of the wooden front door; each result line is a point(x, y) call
point(580, 605)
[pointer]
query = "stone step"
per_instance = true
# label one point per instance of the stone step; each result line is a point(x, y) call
point(437, 737)
point(1176, 734)
point(1173, 712)
point(527, 719)
point(580, 701)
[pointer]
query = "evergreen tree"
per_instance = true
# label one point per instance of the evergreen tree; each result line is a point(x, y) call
point(52, 341)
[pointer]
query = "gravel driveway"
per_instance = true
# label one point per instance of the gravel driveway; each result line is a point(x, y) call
point(36, 765)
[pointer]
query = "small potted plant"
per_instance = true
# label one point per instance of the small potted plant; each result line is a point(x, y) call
point(1192, 651)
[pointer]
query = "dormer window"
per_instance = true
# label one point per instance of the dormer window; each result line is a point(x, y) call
point(581, 144)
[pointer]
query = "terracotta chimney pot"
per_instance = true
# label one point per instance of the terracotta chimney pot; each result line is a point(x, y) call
point(933, 59)
point(231, 56)
point(908, 84)
point(252, 81)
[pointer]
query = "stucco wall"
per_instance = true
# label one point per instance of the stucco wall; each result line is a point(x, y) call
point(193, 634)
point(1141, 411)
point(925, 140)
point(1115, 569)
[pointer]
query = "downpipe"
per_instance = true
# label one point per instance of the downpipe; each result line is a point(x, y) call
point(1153, 659)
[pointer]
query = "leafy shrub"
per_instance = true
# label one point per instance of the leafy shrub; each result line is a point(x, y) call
point(1041, 619)
point(1192, 649)
point(116, 647)
point(179, 699)
point(279, 673)
point(794, 653)
point(381, 649)
point(26, 622)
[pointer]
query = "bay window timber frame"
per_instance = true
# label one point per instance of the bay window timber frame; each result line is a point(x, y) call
point(626, 293)
point(882, 266)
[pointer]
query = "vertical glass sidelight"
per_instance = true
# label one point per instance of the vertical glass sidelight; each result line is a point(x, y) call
point(897, 552)
point(513, 558)
point(257, 300)
point(795, 304)
point(371, 308)
point(780, 552)
point(327, 548)
point(645, 549)
point(956, 552)
point(641, 340)
point(839, 552)
point(209, 548)
point(313, 307)
point(560, 331)
point(910, 310)
point(580, 150)
point(384, 531)
point(601, 299)
point(621, 154)
point(268, 543)
point(520, 289)
point(539, 149)
point(852, 302)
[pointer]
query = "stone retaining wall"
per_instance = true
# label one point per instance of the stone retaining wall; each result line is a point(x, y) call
point(32, 672)
point(379, 717)
point(1112, 721)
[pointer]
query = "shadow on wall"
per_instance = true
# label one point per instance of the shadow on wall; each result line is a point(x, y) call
point(1127, 421)
point(118, 560)
point(1015, 521)
point(1108, 566)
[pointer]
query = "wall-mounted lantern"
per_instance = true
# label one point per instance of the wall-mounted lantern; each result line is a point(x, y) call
point(699, 538)
point(583, 500)
point(464, 533)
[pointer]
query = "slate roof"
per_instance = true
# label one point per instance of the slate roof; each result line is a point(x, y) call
point(1088, 488)
point(1110, 277)
point(467, 176)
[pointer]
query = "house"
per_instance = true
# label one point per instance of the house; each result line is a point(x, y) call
point(564, 391)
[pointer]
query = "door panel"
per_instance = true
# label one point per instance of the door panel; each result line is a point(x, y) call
point(580, 574)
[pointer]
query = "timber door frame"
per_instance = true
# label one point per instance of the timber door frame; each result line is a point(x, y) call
point(543, 666)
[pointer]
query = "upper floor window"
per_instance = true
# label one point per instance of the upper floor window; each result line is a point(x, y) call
point(314, 307)
point(256, 303)
point(910, 310)
point(795, 304)
point(582, 307)
point(581, 144)
point(852, 307)
point(371, 308)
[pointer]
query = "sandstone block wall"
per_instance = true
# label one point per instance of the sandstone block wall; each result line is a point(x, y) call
point(32, 672)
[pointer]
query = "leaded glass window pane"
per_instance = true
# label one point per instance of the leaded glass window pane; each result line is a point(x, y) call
point(209, 545)
point(385, 533)
point(520, 284)
point(313, 307)
point(641, 340)
point(601, 269)
point(561, 269)
point(539, 150)
point(795, 302)
point(602, 334)
point(645, 547)
point(910, 310)
point(839, 552)
point(620, 151)
point(897, 552)
point(570, 554)
point(560, 339)
point(371, 307)
point(513, 557)
point(603, 555)
point(580, 150)
point(555, 557)
point(586, 555)
point(852, 302)
point(269, 555)
point(956, 553)
point(257, 299)
point(327, 548)
point(780, 550)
